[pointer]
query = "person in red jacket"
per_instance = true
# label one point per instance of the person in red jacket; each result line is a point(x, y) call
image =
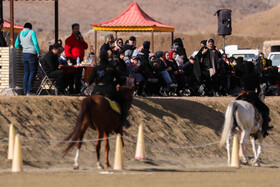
point(75, 47)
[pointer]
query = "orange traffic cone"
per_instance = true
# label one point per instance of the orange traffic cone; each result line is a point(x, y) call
point(234, 153)
point(17, 160)
point(119, 162)
point(140, 147)
point(11, 142)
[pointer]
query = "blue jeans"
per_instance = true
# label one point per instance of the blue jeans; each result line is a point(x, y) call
point(30, 63)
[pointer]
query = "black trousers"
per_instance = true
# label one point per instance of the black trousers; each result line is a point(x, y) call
point(77, 77)
point(60, 79)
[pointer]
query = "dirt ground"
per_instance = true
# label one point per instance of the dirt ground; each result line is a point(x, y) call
point(172, 126)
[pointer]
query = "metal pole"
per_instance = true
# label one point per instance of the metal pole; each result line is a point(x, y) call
point(56, 20)
point(95, 46)
point(152, 41)
point(172, 38)
point(116, 34)
point(224, 43)
point(11, 23)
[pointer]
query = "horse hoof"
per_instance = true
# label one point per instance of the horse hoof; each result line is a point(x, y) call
point(76, 167)
point(255, 163)
point(243, 162)
point(99, 166)
point(108, 166)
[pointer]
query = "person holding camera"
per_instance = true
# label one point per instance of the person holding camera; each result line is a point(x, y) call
point(75, 47)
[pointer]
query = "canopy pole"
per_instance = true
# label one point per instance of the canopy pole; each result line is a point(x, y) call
point(1, 9)
point(172, 38)
point(152, 41)
point(116, 34)
point(12, 23)
point(56, 20)
point(95, 46)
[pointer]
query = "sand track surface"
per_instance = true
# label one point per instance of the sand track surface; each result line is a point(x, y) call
point(172, 127)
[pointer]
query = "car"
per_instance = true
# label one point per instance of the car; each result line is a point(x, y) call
point(275, 58)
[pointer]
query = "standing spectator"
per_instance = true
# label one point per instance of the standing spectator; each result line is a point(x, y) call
point(131, 44)
point(3, 42)
point(75, 47)
point(210, 66)
point(108, 40)
point(28, 41)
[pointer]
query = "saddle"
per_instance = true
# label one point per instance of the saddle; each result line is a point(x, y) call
point(114, 105)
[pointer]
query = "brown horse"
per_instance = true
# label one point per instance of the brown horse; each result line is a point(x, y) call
point(95, 112)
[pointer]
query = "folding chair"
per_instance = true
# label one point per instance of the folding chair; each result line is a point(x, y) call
point(86, 88)
point(47, 83)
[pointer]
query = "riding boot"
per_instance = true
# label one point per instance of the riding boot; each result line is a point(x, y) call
point(124, 113)
point(265, 126)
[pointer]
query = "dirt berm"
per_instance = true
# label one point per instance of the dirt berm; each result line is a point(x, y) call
point(169, 125)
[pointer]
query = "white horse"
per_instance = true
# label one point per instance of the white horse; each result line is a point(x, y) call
point(241, 116)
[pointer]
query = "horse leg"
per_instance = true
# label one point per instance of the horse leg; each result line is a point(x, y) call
point(255, 162)
point(253, 142)
point(80, 143)
point(107, 149)
point(244, 136)
point(228, 148)
point(97, 147)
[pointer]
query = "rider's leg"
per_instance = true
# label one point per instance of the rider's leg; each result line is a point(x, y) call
point(124, 109)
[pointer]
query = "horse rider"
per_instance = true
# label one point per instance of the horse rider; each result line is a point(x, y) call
point(250, 82)
point(104, 75)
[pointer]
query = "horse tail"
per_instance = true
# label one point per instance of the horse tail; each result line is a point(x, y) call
point(229, 118)
point(75, 134)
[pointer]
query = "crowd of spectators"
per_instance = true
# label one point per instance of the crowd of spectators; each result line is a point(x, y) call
point(163, 73)
point(168, 73)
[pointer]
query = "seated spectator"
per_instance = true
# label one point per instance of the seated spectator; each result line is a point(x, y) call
point(50, 64)
point(153, 73)
point(91, 56)
point(63, 60)
point(135, 68)
point(118, 46)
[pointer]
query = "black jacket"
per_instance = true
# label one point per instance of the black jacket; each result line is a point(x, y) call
point(3, 42)
point(50, 62)
point(206, 59)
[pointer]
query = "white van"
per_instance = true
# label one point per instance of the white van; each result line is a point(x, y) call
point(275, 58)
point(247, 54)
point(233, 51)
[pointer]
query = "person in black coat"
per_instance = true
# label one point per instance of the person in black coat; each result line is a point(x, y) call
point(3, 42)
point(250, 82)
point(210, 65)
point(50, 65)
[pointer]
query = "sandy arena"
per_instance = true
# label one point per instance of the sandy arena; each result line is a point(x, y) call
point(169, 125)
